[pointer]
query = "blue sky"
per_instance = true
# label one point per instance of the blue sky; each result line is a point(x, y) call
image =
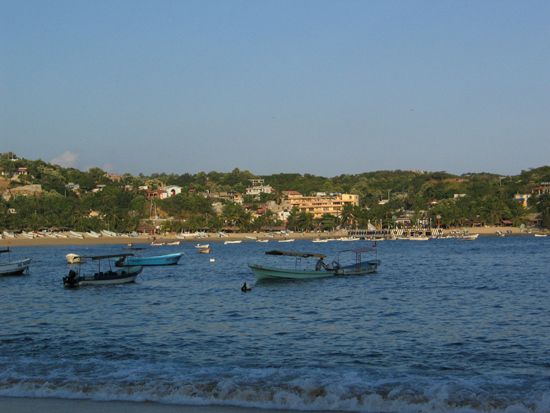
point(323, 87)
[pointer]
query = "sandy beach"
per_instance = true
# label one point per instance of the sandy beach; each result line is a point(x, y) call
point(44, 405)
point(147, 239)
point(165, 238)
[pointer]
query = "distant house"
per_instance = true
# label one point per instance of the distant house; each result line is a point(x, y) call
point(113, 177)
point(72, 187)
point(172, 190)
point(542, 189)
point(258, 188)
point(98, 188)
point(22, 171)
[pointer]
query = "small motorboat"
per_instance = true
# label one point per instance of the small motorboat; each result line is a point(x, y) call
point(16, 267)
point(101, 276)
point(232, 242)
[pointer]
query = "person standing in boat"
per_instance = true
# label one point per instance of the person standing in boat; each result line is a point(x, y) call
point(320, 264)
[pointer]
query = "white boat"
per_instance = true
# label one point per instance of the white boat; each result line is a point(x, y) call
point(108, 233)
point(319, 240)
point(76, 235)
point(16, 267)
point(286, 240)
point(469, 237)
point(232, 242)
point(262, 240)
point(202, 246)
point(541, 235)
point(72, 258)
point(173, 243)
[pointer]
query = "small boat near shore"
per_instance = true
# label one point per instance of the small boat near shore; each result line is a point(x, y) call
point(16, 267)
point(101, 276)
point(232, 242)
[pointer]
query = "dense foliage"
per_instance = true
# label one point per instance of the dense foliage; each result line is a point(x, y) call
point(436, 198)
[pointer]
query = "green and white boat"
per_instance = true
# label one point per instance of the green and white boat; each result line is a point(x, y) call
point(321, 270)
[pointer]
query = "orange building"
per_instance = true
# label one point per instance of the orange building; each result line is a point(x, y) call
point(321, 203)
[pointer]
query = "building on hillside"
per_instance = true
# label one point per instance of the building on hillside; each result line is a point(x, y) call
point(542, 189)
point(113, 177)
point(522, 199)
point(320, 203)
point(226, 196)
point(71, 186)
point(172, 190)
point(258, 188)
point(22, 171)
point(154, 194)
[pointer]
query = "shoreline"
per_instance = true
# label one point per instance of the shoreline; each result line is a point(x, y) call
point(246, 237)
point(10, 404)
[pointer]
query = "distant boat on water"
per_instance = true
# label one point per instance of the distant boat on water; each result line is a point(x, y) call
point(232, 242)
point(167, 259)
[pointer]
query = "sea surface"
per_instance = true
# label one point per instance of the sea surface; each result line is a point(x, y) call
point(444, 326)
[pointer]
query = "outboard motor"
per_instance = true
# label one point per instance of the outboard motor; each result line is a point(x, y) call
point(70, 280)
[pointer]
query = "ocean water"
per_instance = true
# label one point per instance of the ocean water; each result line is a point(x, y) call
point(444, 326)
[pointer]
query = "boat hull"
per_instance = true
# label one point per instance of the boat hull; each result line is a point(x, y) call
point(263, 273)
point(169, 259)
point(15, 267)
point(122, 276)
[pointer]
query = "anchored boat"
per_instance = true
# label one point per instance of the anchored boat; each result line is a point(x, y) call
point(16, 267)
point(104, 274)
point(341, 265)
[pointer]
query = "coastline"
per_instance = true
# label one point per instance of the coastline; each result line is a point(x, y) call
point(51, 405)
point(250, 237)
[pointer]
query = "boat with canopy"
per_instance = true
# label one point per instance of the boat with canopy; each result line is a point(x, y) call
point(341, 265)
point(103, 274)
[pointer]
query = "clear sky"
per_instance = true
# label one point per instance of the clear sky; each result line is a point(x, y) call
point(323, 87)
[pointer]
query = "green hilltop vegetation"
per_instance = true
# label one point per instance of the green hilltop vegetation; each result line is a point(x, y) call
point(47, 196)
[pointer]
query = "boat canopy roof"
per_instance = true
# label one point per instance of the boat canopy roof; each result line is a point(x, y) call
point(295, 254)
point(358, 250)
point(103, 257)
